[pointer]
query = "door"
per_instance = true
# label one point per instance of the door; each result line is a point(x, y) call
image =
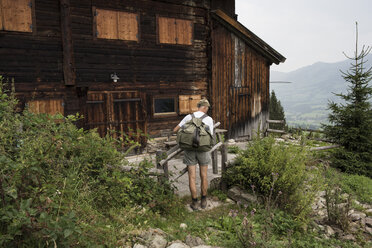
point(120, 114)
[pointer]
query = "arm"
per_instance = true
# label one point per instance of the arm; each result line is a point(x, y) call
point(176, 128)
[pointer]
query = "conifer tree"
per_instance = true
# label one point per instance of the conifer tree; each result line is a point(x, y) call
point(351, 122)
point(276, 111)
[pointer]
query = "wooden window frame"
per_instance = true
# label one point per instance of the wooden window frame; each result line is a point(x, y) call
point(167, 114)
point(33, 22)
point(174, 44)
point(95, 37)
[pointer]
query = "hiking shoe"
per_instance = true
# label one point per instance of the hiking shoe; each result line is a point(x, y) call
point(203, 203)
point(194, 204)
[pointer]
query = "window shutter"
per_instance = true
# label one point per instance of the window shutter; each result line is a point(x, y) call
point(184, 32)
point(194, 99)
point(188, 103)
point(167, 30)
point(184, 104)
point(128, 26)
point(107, 24)
point(16, 15)
point(51, 106)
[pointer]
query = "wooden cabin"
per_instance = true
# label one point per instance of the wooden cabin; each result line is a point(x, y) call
point(136, 64)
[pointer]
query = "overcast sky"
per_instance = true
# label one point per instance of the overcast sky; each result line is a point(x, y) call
point(308, 31)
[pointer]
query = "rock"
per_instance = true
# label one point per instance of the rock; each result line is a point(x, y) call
point(204, 246)
point(368, 221)
point(369, 211)
point(356, 202)
point(178, 244)
point(354, 227)
point(357, 216)
point(139, 246)
point(329, 231)
point(239, 195)
point(349, 237)
point(368, 230)
point(215, 183)
point(158, 242)
point(322, 213)
point(231, 142)
point(321, 193)
point(193, 241)
point(321, 227)
point(183, 226)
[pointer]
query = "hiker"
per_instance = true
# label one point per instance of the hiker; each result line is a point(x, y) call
point(197, 153)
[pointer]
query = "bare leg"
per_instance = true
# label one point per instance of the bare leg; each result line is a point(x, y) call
point(204, 179)
point(192, 176)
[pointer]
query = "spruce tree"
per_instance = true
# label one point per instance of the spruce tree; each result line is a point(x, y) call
point(351, 121)
point(276, 111)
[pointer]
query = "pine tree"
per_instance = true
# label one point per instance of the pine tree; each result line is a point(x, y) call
point(276, 111)
point(351, 122)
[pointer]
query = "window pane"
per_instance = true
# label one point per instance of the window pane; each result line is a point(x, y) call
point(164, 105)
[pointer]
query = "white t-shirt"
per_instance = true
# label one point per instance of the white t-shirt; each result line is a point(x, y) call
point(207, 120)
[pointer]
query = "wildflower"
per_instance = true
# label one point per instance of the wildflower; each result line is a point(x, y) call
point(280, 192)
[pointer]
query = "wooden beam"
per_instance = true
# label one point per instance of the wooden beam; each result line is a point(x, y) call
point(68, 49)
point(323, 148)
point(275, 121)
point(275, 131)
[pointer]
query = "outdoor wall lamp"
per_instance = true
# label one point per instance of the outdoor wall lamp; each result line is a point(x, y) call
point(114, 77)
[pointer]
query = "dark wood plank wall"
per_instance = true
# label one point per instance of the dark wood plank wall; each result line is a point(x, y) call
point(147, 66)
point(240, 109)
point(35, 60)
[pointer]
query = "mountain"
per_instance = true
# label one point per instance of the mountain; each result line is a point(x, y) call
point(306, 98)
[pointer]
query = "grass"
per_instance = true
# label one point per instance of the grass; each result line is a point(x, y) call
point(218, 228)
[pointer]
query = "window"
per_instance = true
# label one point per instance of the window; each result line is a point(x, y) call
point(188, 103)
point(239, 55)
point(50, 106)
point(116, 25)
point(16, 15)
point(164, 106)
point(175, 31)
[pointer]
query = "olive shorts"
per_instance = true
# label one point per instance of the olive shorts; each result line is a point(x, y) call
point(194, 157)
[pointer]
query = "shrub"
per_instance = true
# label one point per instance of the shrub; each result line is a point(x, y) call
point(360, 186)
point(276, 171)
point(57, 181)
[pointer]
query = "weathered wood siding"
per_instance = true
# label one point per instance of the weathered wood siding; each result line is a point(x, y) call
point(41, 69)
point(241, 106)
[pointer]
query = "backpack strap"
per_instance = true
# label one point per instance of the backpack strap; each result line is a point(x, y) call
point(203, 116)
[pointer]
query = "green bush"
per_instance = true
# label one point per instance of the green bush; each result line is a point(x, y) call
point(277, 172)
point(59, 183)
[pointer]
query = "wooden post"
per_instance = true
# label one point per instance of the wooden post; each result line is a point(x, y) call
point(214, 161)
point(66, 34)
point(223, 165)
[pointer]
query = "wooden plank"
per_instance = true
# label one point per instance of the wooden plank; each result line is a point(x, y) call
point(128, 26)
point(17, 15)
point(184, 31)
point(275, 131)
point(275, 121)
point(324, 148)
point(194, 100)
point(167, 30)
point(107, 24)
point(68, 49)
point(184, 104)
point(49, 106)
point(1, 15)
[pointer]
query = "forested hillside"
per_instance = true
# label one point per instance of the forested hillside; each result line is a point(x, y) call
point(305, 99)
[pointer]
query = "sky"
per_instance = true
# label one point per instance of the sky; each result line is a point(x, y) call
point(308, 31)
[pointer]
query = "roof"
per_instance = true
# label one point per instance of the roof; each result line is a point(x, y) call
point(240, 30)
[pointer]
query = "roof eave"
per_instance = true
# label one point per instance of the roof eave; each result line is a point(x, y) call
point(240, 30)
